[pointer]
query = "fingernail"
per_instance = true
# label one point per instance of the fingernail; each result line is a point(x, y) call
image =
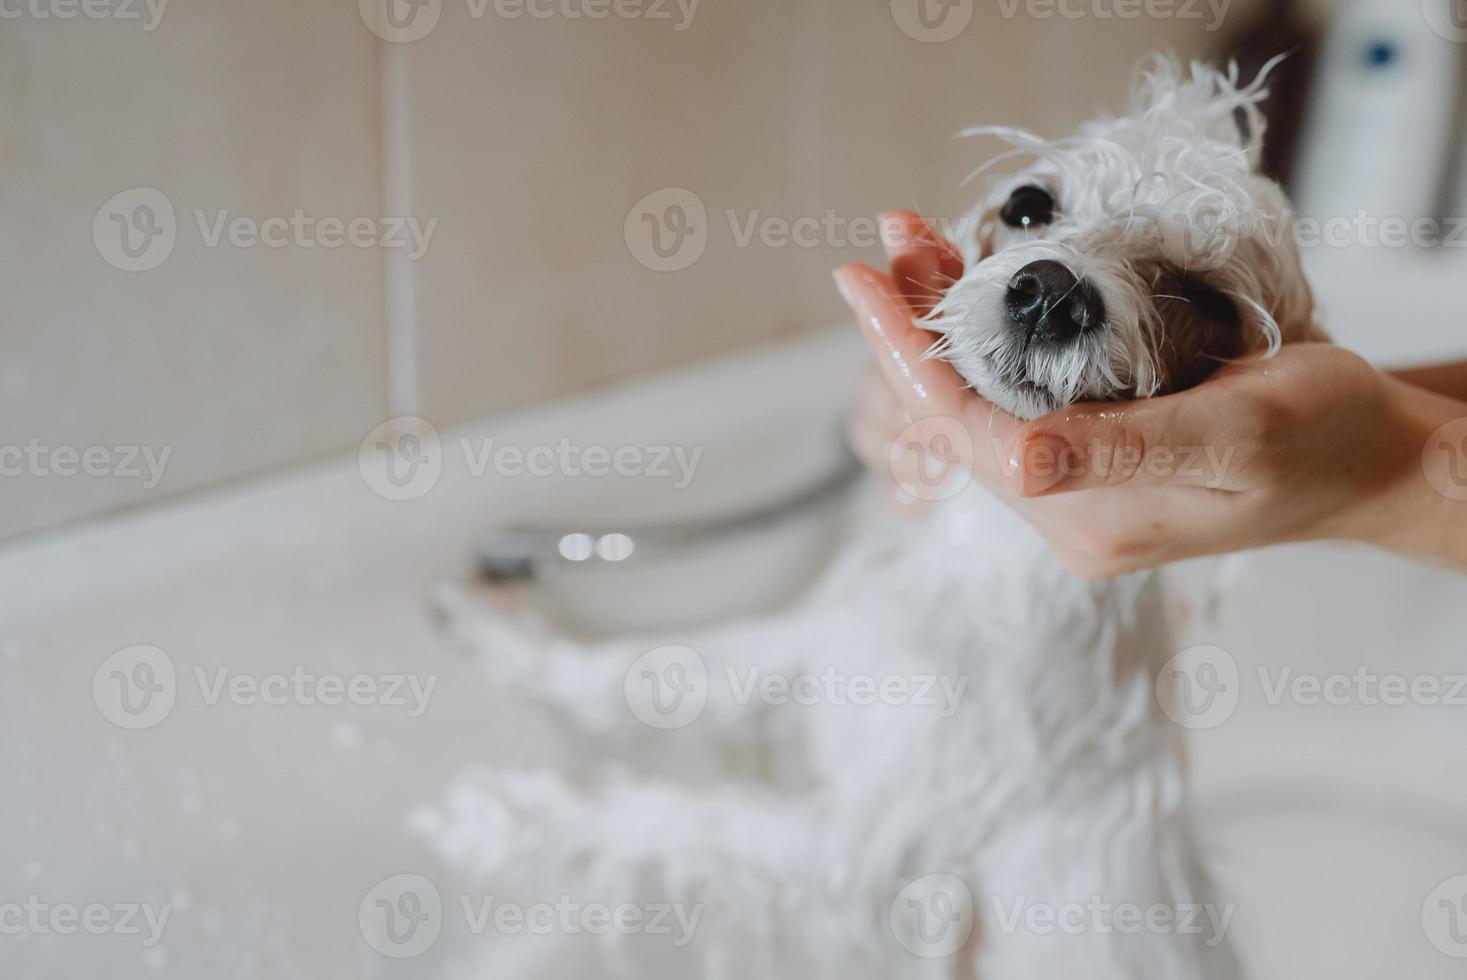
point(1039, 464)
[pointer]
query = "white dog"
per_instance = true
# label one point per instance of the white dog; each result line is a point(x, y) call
point(979, 781)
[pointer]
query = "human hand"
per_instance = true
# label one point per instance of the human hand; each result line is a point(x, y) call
point(1311, 443)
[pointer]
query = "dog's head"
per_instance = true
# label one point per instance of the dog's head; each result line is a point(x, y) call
point(1130, 259)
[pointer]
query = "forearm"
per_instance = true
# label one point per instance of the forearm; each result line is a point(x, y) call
point(1420, 506)
point(1449, 379)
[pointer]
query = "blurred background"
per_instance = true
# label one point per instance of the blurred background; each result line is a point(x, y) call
point(520, 139)
point(249, 248)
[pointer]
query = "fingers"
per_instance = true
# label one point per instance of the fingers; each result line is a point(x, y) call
point(1108, 532)
point(923, 263)
point(924, 387)
point(955, 424)
point(1187, 439)
point(876, 419)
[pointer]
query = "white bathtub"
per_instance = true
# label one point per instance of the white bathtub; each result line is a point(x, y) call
point(262, 829)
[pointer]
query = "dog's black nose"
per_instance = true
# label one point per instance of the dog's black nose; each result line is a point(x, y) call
point(1047, 302)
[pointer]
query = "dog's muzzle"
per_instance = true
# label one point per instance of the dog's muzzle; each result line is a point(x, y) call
point(1047, 303)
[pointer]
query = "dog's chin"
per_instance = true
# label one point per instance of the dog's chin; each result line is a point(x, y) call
point(1019, 397)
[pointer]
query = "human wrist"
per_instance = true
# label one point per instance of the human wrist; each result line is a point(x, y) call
point(1415, 499)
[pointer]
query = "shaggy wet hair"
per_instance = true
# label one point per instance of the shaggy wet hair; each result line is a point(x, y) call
point(1163, 215)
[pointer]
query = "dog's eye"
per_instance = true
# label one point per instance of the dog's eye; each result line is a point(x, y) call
point(1028, 206)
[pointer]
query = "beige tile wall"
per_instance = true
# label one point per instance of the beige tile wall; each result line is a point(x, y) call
point(529, 139)
point(234, 360)
point(534, 138)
